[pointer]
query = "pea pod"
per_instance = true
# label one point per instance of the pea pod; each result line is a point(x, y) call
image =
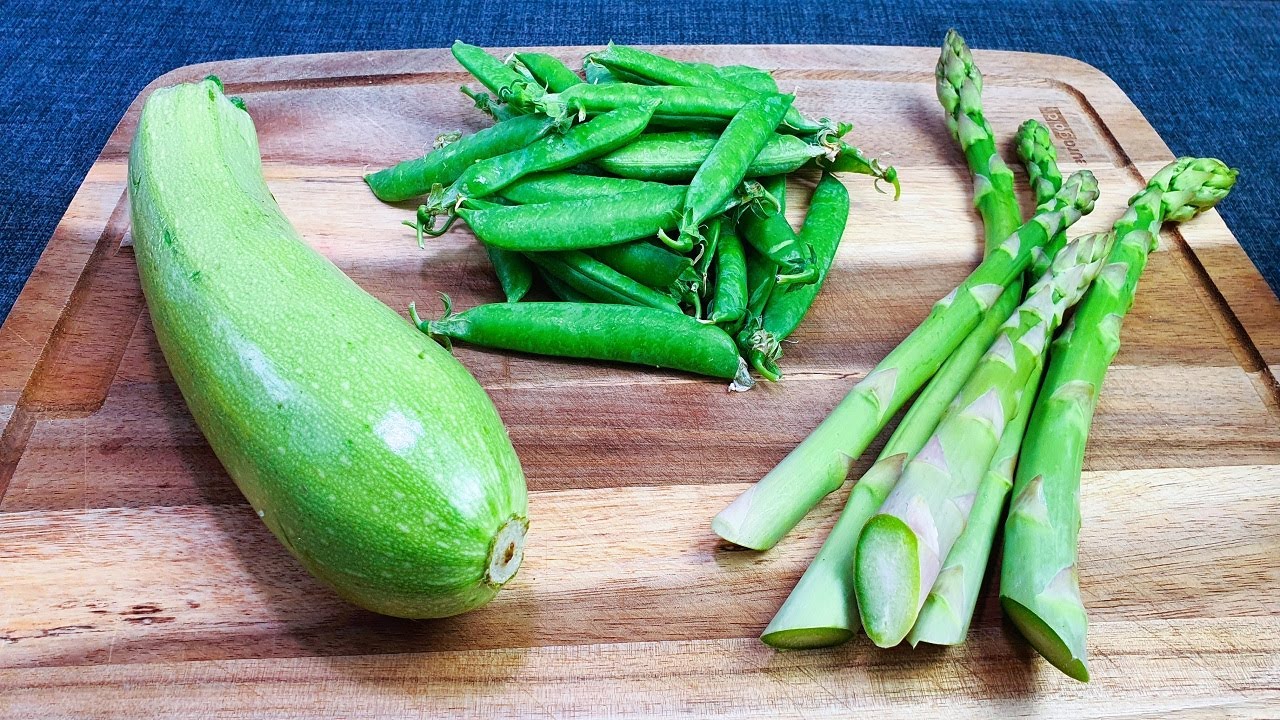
point(599, 281)
point(514, 272)
point(506, 84)
point(751, 78)
point(786, 307)
point(676, 102)
point(726, 165)
point(673, 72)
point(617, 333)
point(676, 156)
point(447, 163)
point(729, 303)
point(577, 224)
point(556, 186)
point(552, 152)
point(563, 291)
point(598, 74)
point(771, 235)
point(650, 264)
point(552, 74)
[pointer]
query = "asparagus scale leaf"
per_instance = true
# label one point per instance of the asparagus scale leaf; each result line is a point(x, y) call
point(1039, 585)
point(766, 511)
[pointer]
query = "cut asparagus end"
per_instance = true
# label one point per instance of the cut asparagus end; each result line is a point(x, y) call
point(1045, 640)
point(888, 579)
point(820, 611)
point(806, 638)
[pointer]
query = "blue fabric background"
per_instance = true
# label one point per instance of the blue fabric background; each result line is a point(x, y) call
point(1204, 73)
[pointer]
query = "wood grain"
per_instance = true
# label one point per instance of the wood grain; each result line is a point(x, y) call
point(135, 582)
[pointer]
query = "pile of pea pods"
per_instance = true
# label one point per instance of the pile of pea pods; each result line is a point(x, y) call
point(648, 196)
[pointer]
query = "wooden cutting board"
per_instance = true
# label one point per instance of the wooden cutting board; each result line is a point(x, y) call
point(136, 582)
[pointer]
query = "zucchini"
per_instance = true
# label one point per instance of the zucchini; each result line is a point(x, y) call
point(366, 448)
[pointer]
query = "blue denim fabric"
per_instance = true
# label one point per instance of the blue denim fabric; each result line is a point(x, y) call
point(1204, 73)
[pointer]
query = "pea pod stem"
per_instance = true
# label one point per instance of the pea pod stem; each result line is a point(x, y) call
point(769, 509)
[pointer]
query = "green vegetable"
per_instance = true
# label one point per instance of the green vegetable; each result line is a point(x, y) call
point(842, 157)
point(665, 71)
point(1039, 586)
point(549, 153)
point(677, 103)
point(959, 86)
point(557, 186)
point(676, 156)
point(753, 79)
point(507, 85)
point(822, 609)
point(729, 303)
point(563, 291)
point(498, 111)
point(599, 281)
point(787, 305)
point(948, 610)
point(652, 265)
point(902, 548)
point(766, 511)
point(514, 272)
point(448, 161)
point(552, 74)
point(619, 333)
point(577, 224)
point(726, 165)
point(767, 230)
point(370, 453)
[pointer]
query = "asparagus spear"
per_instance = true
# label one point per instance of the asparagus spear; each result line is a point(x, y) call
point(821, 609)
point(948, 610)
point(1039, 587)
point(902, 548)
point(762, 514)
point(959, 86)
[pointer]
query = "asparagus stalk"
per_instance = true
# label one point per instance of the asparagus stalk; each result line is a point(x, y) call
point(959, 87)
point(821, 610)
point(762, 514)
point(902, 547)
point(948, 610)
point(1039, 586)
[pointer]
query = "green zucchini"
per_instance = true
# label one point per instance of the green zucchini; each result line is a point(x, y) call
point(367, 449)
